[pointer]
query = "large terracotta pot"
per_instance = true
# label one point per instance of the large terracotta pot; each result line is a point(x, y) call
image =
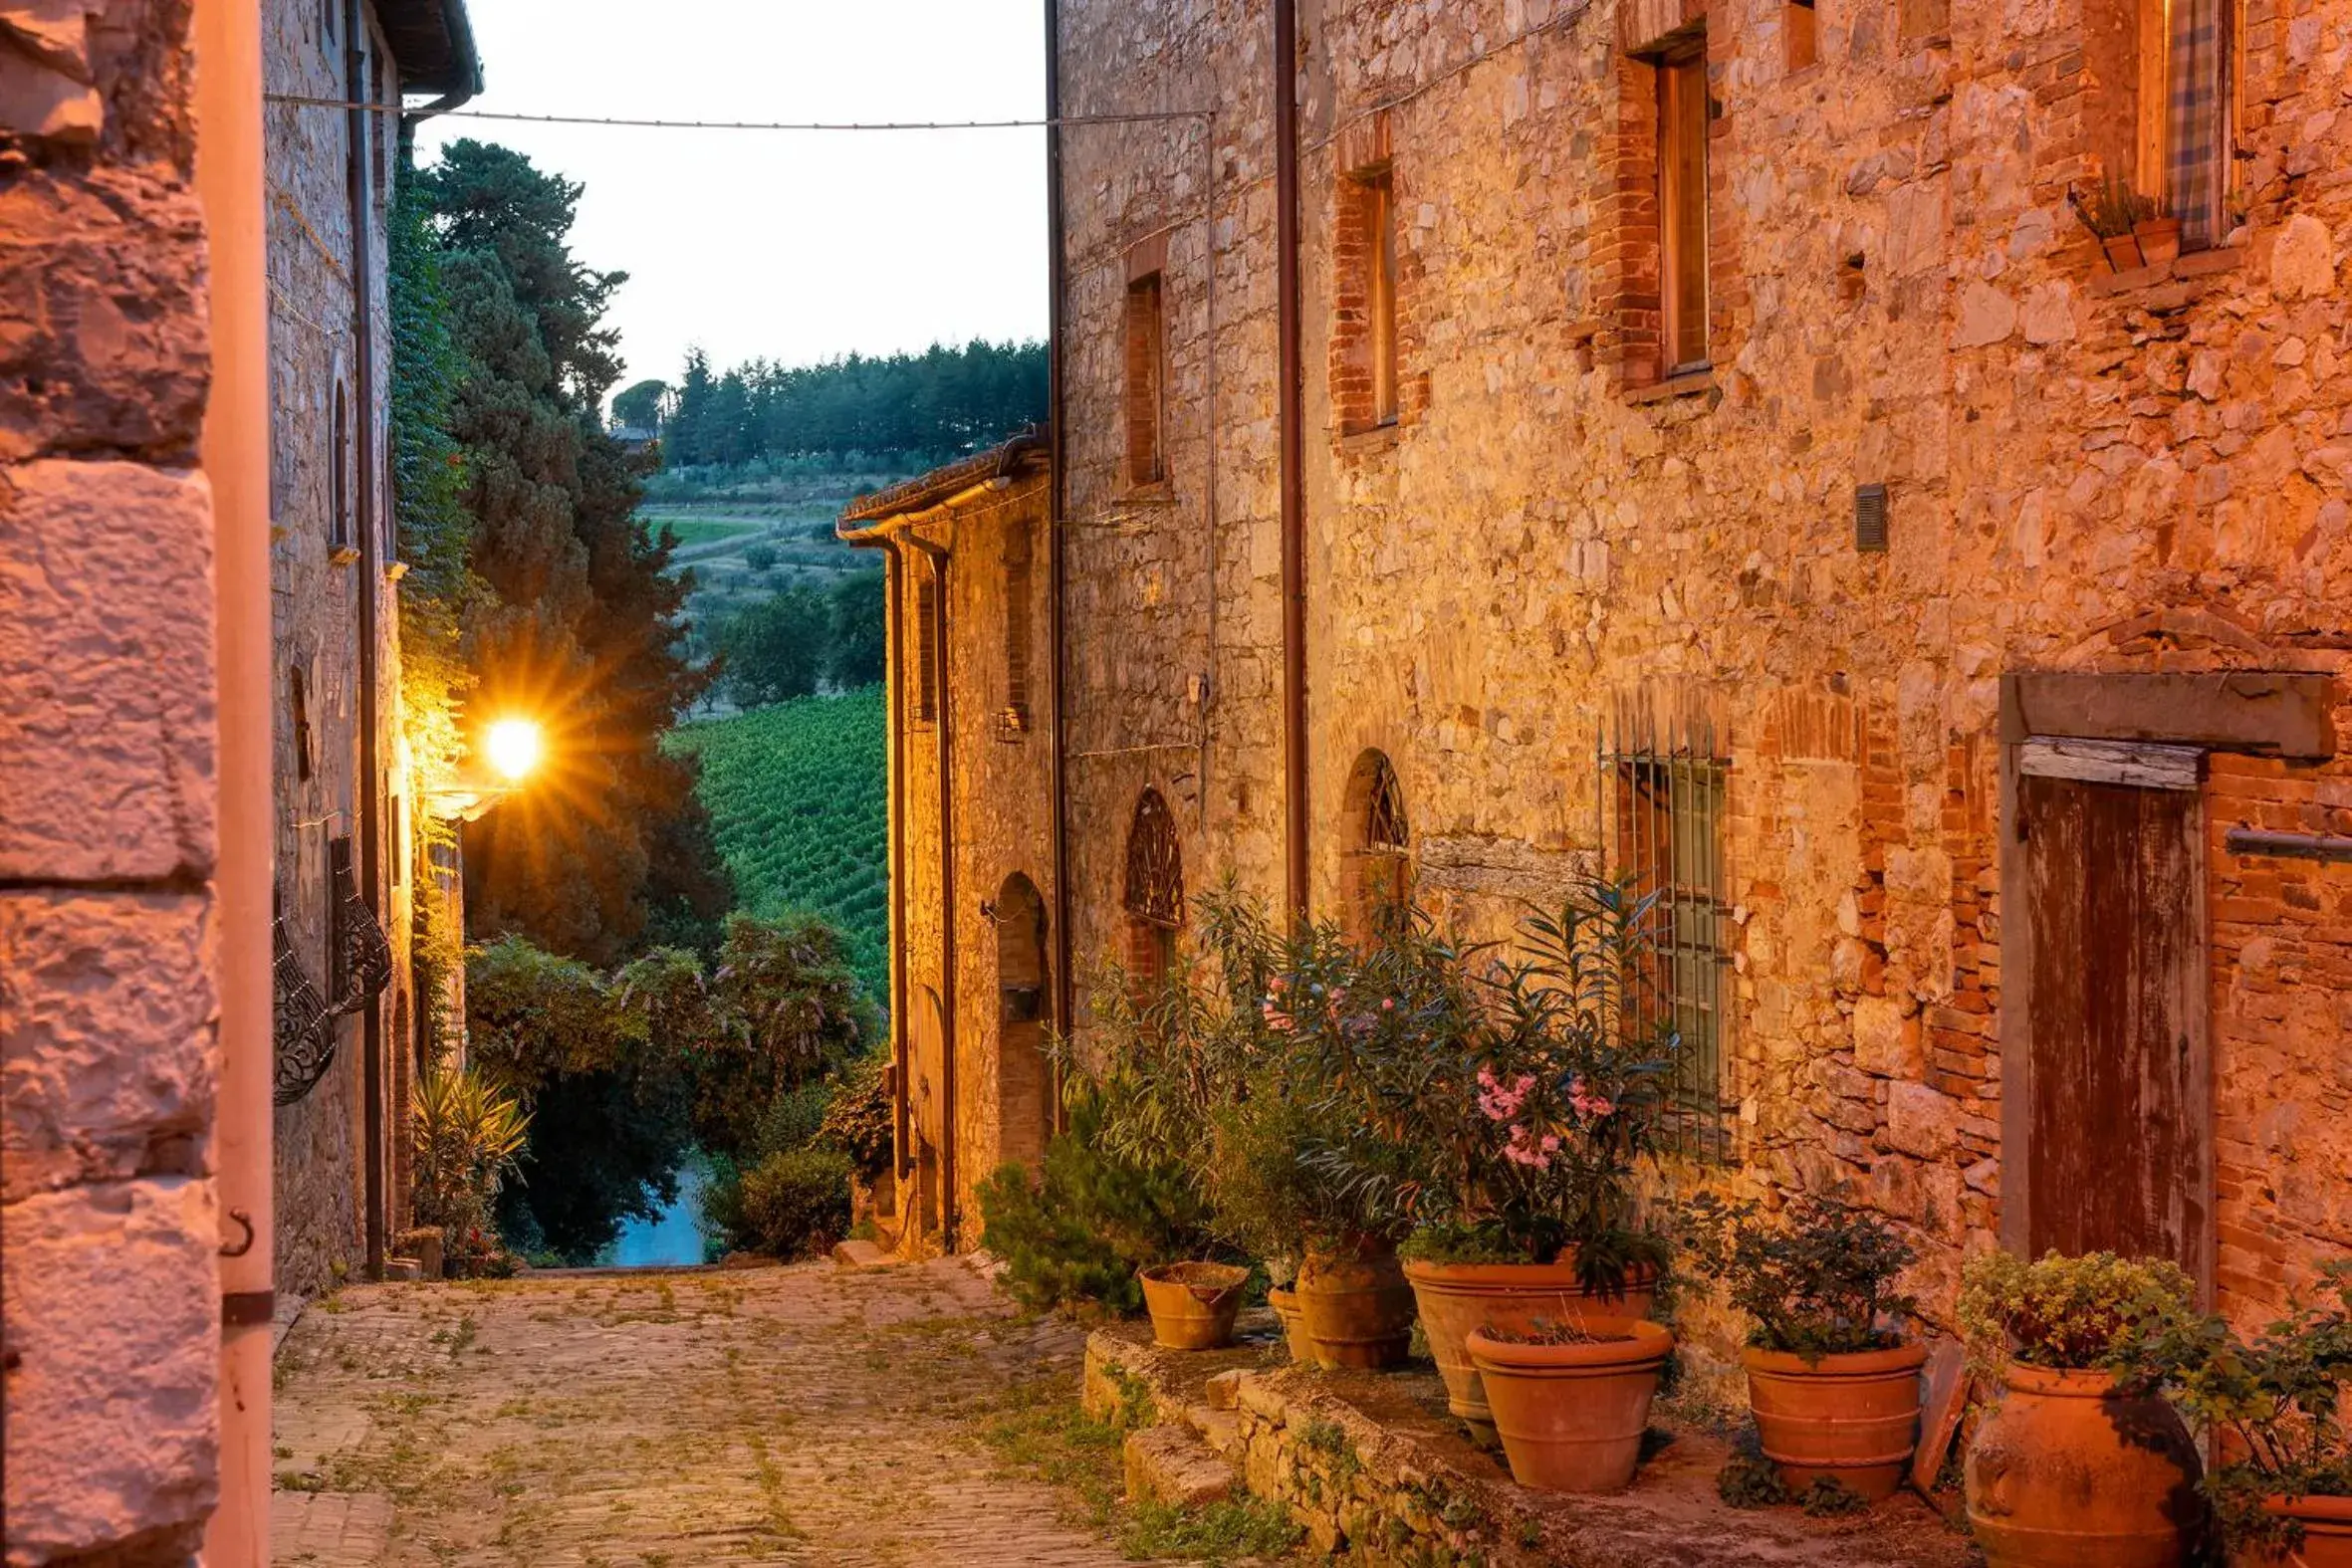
point(1853, 1417)
point(1571, 1417)
point(2327, 1535)
point(1193, 1305)
point(2067, 1471)
point(1456, 1297)
point(1286, 1311)
point(1356, 1306)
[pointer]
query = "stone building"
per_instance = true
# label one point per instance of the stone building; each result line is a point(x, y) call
point(1722, 453)
point(345, 815)
point(971, 828)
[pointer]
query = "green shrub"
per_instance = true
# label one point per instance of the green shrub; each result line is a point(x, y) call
point(792, 1203)
point(858, 1117)
point(2078, 1313)
point(1817, 1278)
point(1077, 1231)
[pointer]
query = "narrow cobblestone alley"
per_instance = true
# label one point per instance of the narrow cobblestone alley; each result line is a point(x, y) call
point(804, 1415)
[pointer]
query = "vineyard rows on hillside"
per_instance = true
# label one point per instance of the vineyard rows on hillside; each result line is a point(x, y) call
point(798, 799)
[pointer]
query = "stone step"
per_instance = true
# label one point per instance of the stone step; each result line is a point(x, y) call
point(862, 1255)
point(1171, 1464)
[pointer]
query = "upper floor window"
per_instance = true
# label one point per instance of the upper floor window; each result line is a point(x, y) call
point(339, 476)
point(2160, 119)
point(926, 640)
point(1017, 625)
point(1146, 380)
point(1682, 206)
point(1365, 331)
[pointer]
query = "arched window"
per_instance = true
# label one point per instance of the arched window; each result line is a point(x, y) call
point(1376, 868)
point(1154, 893)
point(1023, 1092)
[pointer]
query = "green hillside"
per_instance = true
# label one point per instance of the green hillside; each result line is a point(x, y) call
point(798, 797)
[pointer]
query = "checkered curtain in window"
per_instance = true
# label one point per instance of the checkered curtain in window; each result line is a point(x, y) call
point(2196, 127)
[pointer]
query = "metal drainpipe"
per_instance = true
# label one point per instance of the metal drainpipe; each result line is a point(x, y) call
point(1294, 460)
point(370, 589)
point(236, 459)
point(1058, 753)
point(949, 1204)
point(895, 585)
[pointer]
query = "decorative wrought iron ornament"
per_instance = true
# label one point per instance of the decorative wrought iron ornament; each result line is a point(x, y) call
point(1155, 865)
point(1385, 831)
point(303, 1025)
point(363, 953)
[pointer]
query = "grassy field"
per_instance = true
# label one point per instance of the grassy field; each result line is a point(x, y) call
point(797, 793)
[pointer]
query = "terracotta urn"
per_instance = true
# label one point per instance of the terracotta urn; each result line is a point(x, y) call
point(1571, 1416)
point(1456, 1298)
point(2071, 1471)
point(1286, 1311)
point(1853, 1417)
point(1355, 1305)
point(2327, 1535)
point(2123, 252)
point(1193, 1305)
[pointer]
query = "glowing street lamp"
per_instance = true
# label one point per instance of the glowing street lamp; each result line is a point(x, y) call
point(513, 747)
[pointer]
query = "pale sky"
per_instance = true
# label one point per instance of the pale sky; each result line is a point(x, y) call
point(793, 246)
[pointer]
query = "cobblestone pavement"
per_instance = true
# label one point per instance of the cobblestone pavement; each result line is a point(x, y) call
point(804, 1416)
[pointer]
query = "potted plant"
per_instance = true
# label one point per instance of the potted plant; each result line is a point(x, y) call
point(1522, 1097)
point(2283, 1491)
point(1831, 1381)
point(2082, 1461)
point(2112, 213)
point(1193, 1305)
point(1572, 1398)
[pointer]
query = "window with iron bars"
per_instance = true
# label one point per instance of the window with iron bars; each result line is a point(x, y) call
point(1666, 806)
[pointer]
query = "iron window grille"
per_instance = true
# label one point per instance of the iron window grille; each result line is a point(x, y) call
point(1153, 896)
point(362, 954)
point(1379, 873)
point(1664, 794)
point(302, 1024)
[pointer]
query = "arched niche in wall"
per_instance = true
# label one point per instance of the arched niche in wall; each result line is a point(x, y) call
point(1376, 860)
point(1024, 1086)
point(1152, 895)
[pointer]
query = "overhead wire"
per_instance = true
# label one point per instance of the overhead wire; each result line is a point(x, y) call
point(629, 123)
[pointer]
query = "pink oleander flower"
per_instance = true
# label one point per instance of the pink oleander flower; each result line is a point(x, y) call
point(1499, 1104)
point(1584, 1104)
point(1388, 1004)
point(1526, 1149)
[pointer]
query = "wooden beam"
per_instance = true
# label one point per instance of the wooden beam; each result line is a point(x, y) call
point(2266, 713)
point(2134, 762)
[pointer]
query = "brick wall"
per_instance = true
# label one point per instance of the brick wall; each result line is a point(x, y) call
point(108, 1051)
point(2083, 472)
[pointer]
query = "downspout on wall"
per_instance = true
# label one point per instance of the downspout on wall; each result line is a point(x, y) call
point(949, 1203)
point(236, 457)
point(1064, 992)
point(1293, 464)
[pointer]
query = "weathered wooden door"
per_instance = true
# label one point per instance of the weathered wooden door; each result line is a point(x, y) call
point(2119, 1119)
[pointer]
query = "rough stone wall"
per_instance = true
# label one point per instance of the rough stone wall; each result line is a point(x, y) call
point(317, 572)
point(2084, 472)
point(108, 1007)
point(1003, 829)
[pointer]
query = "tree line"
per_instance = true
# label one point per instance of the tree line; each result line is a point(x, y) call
point(942, 401)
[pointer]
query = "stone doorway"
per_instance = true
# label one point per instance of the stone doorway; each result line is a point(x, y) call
point(1024, 1085)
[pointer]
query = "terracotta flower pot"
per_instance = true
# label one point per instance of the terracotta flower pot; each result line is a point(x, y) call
point(1193, 1305)
point(2123, 252)
point(1571, 1416)
point(2159, 239)
point(1286, 1310)
point(1356, 1306)
point(1456, 1297)
point(2327, 1535)
point(1853, 1417)
point(2068, 1471)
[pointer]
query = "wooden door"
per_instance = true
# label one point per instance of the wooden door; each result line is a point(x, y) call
point(2119, 1157)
